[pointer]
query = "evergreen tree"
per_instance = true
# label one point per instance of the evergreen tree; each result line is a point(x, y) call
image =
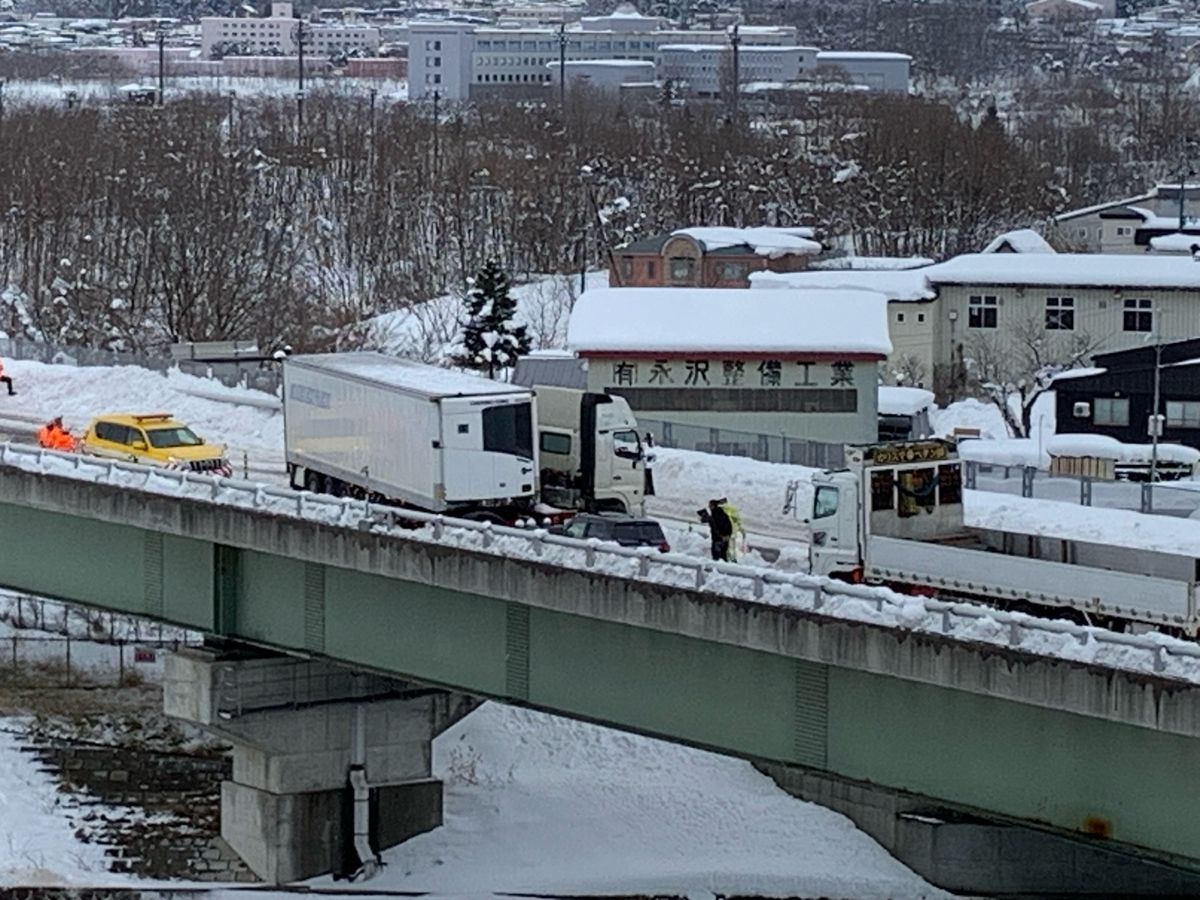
point(490, 341)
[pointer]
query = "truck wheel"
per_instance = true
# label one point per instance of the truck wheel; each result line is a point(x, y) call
point(313, 482)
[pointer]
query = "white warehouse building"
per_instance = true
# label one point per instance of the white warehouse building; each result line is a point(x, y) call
point(277, 35)
point(703, 67)
point(880, 71)
point(604, 74)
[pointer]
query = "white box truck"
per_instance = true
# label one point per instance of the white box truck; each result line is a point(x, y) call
point(367, 424)
point(894, 516)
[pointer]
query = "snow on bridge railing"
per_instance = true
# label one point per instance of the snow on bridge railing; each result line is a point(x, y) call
point(1151, 652)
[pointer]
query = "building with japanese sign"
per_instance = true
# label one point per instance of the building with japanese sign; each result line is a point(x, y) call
point(803, 365)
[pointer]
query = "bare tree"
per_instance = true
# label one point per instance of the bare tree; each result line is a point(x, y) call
point(1013, 372)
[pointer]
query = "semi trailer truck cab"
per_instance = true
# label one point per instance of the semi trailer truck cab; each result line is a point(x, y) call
point(591, 454)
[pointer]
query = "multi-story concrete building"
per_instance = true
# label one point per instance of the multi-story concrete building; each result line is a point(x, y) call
point(464, 60)
point(279, 33)
point(604, 74)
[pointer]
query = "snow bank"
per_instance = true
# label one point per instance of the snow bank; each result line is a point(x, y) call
point(1070, 521)
point(714, 320)
point(686, 480)
point(211, 409)
point(537, 804)
point(1103, 447)
point(1004, 452)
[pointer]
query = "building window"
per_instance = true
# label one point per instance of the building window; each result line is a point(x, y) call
point(652, 268)
point(1060, 313)
point(981, 311)
point(899, 317)
point(1183, 413)
point(626, 267)
point(1112, 411)
point(1139, 316)
point(1124, 231)
point(920, 317)
point(683, 269)
point(732, 271)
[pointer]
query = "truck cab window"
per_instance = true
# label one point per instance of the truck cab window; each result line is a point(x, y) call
point(627, 444)
point(551, 442)
point(825, 502)
point(508, 429)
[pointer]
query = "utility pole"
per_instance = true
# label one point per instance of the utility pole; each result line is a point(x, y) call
point(371, 137)
point(299, 33)
point(1183, 173)
point(2, 83)
point(162, 67)
point(436, 159)
point(562, 68)
point(735, 42)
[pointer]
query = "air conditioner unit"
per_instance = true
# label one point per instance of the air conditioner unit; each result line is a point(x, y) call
point(1083, 410)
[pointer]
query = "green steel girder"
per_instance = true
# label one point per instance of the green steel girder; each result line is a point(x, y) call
point(1061, 770)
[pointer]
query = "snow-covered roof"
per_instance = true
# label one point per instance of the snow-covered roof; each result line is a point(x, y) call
point(405, 374)
point(1081, 372)
point(903, 401)
point(1023, 240)
point(869, 263)
point(848, 55)
point(703, 320)
point(763, 240)
point(906, 285)
point(1068, 269)
point(1175, 243)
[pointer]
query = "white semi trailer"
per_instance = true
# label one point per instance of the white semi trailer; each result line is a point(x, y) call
point(894, 516)
point(365, 424)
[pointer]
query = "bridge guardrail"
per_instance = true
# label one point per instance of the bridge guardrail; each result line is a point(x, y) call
point(1152, 652)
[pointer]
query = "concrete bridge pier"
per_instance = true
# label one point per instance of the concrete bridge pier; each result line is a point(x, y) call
point(330, 766)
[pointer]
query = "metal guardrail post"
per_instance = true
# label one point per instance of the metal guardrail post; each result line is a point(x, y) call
point(1027, 475)
point(1147, 497)
point(1085, 491)
point(972, 473)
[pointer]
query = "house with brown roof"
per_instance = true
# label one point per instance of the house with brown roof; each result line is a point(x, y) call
point(711, 257)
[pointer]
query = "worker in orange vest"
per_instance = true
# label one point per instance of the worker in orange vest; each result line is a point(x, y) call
point(5, 379)
point(54, 436)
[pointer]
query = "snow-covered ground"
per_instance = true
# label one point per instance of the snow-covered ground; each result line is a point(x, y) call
point(37, 843)
point(540, 804)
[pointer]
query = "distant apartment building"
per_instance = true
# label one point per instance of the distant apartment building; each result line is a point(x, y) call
point(279, 33)
point(1130, 224)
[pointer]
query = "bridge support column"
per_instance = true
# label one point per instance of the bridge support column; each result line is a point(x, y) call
point(298, 728)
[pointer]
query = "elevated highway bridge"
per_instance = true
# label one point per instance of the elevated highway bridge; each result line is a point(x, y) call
point(910, 715)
